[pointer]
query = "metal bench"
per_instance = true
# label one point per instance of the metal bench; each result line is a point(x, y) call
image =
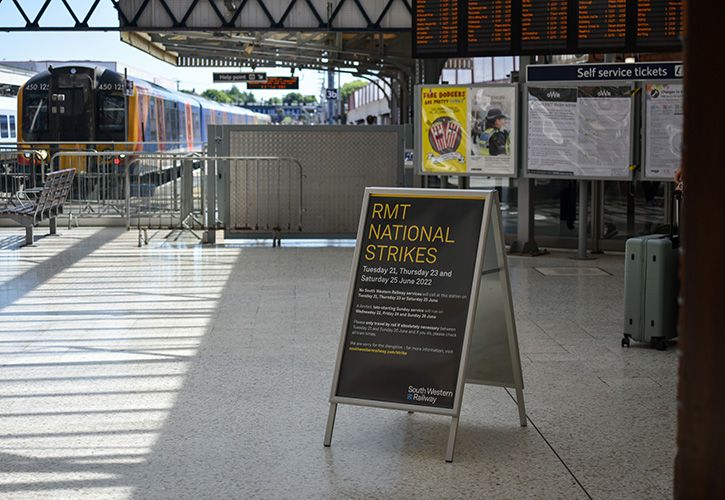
point(47, 206)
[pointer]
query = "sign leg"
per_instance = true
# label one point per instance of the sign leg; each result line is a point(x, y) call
point(452, 439)
point(330, 424)
point(522, 407)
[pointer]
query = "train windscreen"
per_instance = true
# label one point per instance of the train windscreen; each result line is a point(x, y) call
point(35, 115)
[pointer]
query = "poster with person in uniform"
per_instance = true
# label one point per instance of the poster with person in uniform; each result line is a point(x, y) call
point(492, 125)
point(444, 116)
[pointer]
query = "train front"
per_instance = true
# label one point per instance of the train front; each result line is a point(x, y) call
point(71, 109)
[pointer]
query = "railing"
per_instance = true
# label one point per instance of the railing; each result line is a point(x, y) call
point(179, 191)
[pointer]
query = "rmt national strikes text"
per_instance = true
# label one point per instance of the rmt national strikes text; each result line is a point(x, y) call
point(392, 239)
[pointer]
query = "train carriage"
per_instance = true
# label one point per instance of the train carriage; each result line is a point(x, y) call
point(81, 107)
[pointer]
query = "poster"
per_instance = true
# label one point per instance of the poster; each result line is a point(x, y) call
point(553, 130)
point(580, 131)
point(663, 132)
point(492, 124)
point(604, 131)
point(443, 117)
point(411, 293)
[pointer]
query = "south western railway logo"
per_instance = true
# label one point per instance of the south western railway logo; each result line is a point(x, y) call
point(445, 136)
point(427, 395)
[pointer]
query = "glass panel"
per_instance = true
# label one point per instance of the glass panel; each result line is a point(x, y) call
point(464, 76)
point(633, 209)
point(555, 210)
point(35, 113)
point(4, 127)
point(507, 193)
point(111, 113)
point(448, 76)
point(12, 125)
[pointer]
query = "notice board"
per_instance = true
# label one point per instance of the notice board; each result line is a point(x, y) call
point(580, 131)
point(663, 116)
point(429, 306)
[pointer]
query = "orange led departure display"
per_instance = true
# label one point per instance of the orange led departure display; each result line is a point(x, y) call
point(471, 28)
point(276, 83)
point(489, 25)
point(436, 27)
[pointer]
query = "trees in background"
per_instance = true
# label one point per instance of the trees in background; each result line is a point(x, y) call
point(350, 87)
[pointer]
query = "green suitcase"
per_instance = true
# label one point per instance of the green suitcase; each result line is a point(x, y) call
point(650, 290)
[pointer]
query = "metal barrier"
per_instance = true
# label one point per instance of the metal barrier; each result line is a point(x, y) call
point(264, 195)
point(178, 191)
point(17, 181)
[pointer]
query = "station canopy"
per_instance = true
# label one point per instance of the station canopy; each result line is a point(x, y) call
point(358, 36)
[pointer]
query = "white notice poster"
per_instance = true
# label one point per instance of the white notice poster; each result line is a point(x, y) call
point(581, 132)
point(553, 130)
point(663, 132)
point(604, 131)
point(492, 124)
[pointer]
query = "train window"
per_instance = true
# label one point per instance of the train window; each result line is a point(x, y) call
point(197, 124)
point(151, 129)
point(12, 125)
point(4, 133)
point(111, 116)
point(35, 113)
point(171, 119)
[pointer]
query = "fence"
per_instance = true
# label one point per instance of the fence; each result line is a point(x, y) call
point(175, 191)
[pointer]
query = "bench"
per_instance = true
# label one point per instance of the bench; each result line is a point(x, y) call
point(47, 206)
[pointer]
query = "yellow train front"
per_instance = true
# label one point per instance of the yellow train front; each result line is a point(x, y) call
point(68, 110)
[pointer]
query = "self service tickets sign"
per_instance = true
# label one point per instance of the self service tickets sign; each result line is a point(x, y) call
point(467, 130)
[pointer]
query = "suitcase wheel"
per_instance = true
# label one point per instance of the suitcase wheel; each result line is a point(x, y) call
point(625, 341)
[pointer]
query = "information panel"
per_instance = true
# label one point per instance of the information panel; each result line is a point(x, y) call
point(544, 25)
point(603, 25)
point(582, 132)
point(410, 300)
point(436, 28)
point(663, 119)
point(489, 26)
point(473, 28)
point(276, 83)
point(659, 23)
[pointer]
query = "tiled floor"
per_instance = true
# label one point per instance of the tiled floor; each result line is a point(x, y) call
point(175, 371)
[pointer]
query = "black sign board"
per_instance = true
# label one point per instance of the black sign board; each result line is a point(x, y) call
point(473, 28)
point(429, 307)
point(410, 301)
point(276, 83)
point(240, 77)
point(603, 72)
point(331, 94)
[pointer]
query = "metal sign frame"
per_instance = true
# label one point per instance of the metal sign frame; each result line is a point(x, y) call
point(633, 129)
point(418, 139)
point(491, 231)
point(644, 125)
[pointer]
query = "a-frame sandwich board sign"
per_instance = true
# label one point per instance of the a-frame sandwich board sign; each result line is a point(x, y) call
point(429, 306)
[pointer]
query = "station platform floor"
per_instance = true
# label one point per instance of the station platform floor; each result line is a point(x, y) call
point(180, 371)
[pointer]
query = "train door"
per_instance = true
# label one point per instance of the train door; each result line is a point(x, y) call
point(71, 106)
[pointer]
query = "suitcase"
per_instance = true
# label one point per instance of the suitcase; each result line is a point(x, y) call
point(650, 290)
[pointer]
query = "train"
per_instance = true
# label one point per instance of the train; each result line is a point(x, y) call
point(68, 106)
point(8, 121)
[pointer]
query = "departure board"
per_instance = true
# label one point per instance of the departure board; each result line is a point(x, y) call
point(658, 22)
point(544, 25)
point(603, 25)
point(474, 28)
point(436, 27)
point(489, 26)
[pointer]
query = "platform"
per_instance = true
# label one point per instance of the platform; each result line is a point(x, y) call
point(181, 371)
